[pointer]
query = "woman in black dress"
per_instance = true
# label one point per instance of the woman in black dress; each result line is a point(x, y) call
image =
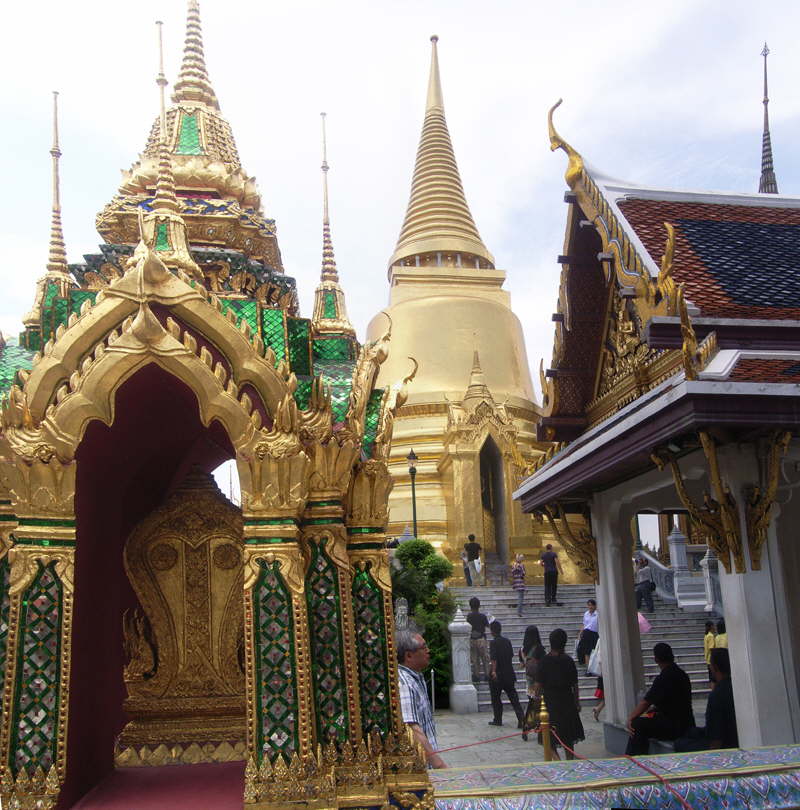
point(557, 682)
point(530, 654)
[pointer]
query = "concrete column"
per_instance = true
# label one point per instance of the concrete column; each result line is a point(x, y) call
point(763, 704)
point(623, 677)
point(463, 695)
point(710, 566)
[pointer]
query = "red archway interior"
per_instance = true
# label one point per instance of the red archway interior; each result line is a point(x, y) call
point(124, 472)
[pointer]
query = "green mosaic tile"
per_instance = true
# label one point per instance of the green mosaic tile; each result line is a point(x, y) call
point(77, 297)
point(327, 650)
point(12, 357)
point(162, 236)
point(371, 420)
point(34, 721)
point(329, 304)
point(276, 702)
point(50, 295)
point(373, 665)
point(5, 603)
point(302, 393)
point(244, 308)
point(272, 331)
point(340, 399)
point(189, 137)
point(334, 349)
point(299, 330)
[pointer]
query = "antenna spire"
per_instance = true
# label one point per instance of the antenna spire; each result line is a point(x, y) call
point(57, 255)
point(767, 184)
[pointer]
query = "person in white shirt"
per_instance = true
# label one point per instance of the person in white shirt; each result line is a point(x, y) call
point(644, 585)
point(588, 635)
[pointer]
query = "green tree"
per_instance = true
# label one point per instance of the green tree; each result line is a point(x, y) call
point(431, 610)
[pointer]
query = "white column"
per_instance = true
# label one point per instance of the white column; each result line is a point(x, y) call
point(763, 705)
point(623, 678)
point(463, 695)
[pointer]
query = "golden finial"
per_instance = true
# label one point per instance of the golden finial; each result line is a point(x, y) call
point(438, 229)
point(165, 199)
point(193, 83)
point(329, 272)
point(434, 82)
point(575, 165)
point(57, 255)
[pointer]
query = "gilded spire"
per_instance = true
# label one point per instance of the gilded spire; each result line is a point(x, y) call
point(329, 272)
point(330, 312)
point(57, 255)
point(193, 83)
point(165, 199)
point(438, 228)
point(477, 390)
point(767, 184)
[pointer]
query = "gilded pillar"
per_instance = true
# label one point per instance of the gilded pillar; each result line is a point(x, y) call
point(367, 516)
point(37, 575)
point(280, 715)
point(328, 582)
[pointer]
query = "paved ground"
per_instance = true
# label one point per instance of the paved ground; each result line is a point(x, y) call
point(459, 729)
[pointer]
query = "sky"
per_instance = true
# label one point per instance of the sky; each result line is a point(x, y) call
point(665, 95)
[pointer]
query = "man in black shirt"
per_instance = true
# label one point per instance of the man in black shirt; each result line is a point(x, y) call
point(502, 676)
point(478, 652)
point(552, 568)
point(671, 697)
point(473, 550)
point(720, 730)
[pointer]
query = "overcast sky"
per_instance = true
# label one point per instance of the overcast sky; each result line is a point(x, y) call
point(667, 95)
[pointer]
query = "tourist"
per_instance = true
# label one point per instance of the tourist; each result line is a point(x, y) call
point(722, 635)
point(473, 550)
point(595, 667)
point(644, 585)
point(588, 636)
point(502, 677)
point(708, 645)
point(552, 568)
point(670, 697)
point(478, 653)
point(413, 658)
point(720, 729)
point(530, 654)
point(465, 565)
point(557, 683)
point(518, 581)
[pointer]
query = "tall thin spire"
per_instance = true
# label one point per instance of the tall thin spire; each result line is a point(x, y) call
point(193, 83)
point(767, 184)
point(57, 254)
point(329, 272)
point(477, 390)
point(438, 228)
point(165, 198)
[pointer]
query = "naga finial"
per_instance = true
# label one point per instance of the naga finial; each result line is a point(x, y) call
point(575, 164)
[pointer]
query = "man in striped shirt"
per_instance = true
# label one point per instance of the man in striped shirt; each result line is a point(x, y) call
point(413, 658)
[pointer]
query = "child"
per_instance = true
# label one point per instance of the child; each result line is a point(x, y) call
point(709, 640)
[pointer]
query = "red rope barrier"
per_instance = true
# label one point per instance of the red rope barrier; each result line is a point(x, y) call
point(480, 742)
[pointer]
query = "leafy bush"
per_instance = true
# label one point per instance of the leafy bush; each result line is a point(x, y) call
point(430, 609)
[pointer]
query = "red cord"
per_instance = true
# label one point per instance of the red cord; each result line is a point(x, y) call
point(480, 742)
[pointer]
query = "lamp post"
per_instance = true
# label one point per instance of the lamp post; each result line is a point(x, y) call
point(412, 469)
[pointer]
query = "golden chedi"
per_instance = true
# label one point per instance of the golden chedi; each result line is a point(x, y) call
point(471, 414)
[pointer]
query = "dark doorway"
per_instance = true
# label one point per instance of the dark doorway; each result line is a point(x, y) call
point(493, 500)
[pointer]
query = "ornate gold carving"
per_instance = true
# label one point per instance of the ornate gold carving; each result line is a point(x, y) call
point(25, 565)
point(36, 792)
point(578, 542)
point(368, 498)
point(575, 164)
point(331, 466)
point(689, 347)
point(179, 754)
point(410, 801)
point(184, 676)
point(758, 502)
point(39, 482)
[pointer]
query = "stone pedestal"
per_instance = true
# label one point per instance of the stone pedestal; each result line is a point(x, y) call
point(710, 566)
point(463, 695)
point(677, 550)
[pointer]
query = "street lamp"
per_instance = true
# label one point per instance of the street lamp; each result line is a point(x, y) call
point(412, 469)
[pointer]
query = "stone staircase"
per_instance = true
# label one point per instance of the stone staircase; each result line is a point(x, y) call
point(681, 628)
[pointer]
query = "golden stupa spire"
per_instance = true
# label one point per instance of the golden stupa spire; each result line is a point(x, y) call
point(193, 83)
point(330, 312)
point(329, 272)
point(438, 228)
point(57, 255)
point(165, 199)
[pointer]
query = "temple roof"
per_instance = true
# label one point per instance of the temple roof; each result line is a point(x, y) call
point(438, 221)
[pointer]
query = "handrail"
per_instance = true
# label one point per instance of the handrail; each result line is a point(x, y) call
point(663, 576)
